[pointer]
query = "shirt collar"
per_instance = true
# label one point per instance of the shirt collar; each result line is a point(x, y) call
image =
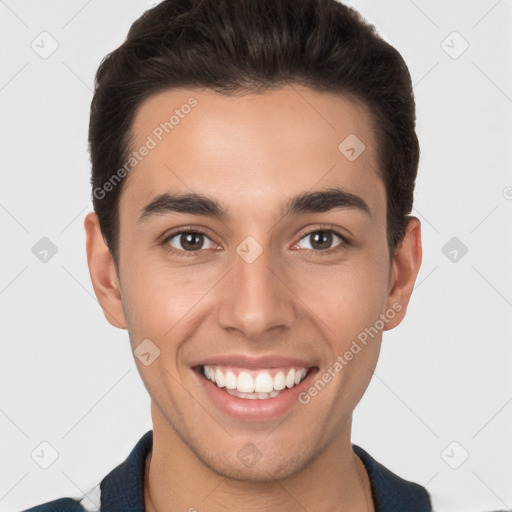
point(390, 492)
point(123, 488)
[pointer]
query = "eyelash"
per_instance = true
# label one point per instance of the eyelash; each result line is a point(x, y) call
point(165, 242)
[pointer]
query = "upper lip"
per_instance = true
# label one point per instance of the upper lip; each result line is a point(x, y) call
point(253, 362)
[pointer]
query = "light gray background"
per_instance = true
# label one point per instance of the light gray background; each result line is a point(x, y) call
point(67, 377)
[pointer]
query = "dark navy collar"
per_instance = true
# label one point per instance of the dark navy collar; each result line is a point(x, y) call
point(390, 492)
point(122, 490)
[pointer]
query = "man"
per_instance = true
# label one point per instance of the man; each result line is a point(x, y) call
point(253, 169)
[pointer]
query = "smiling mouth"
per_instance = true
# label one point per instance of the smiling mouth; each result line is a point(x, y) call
point(253, 384)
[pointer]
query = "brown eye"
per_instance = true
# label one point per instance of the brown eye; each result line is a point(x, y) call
point(321, 240)
point(189, 241)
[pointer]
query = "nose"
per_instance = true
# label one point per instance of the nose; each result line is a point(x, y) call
point(256, 298)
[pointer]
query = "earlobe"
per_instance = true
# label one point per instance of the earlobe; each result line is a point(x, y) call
point(404, 270)
point(103, 273)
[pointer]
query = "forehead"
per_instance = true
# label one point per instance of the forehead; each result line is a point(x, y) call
point(250, 150)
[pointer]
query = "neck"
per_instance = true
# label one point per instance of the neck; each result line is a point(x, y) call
point(176, 479)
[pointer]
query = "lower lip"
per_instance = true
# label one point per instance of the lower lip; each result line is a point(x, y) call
point(257, 409)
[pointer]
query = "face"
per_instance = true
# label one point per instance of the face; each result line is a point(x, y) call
point(277, 259)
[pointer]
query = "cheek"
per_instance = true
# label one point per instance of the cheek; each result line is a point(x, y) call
point(346, 298)
point(156, 297)
point(348, 303)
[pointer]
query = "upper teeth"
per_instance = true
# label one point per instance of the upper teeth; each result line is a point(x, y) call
point(250, 381)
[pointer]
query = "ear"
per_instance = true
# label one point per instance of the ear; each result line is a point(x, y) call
point(103, 273)
point(404, 270)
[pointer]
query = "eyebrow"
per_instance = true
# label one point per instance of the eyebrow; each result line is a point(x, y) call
point(307, 202)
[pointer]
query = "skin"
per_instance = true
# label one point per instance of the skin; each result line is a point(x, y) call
point(252, 153)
